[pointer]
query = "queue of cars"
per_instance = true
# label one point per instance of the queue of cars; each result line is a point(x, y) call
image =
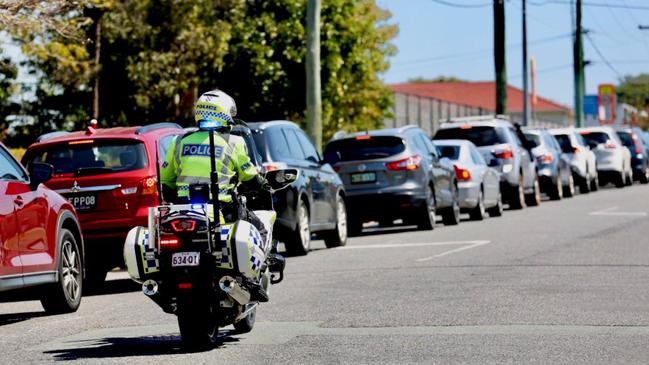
point(106, 180)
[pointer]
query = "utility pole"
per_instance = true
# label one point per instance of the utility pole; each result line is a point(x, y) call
point(499, 57)
point(313, 95)
point(525, 90)
point(578, 64)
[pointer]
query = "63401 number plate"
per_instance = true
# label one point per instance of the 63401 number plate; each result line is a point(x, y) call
point(185, 259)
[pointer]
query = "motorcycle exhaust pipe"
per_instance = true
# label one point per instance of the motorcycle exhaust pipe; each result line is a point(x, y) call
point(234, 290)
point(150, 288)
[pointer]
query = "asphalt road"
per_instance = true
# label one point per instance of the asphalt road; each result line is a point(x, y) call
point(565, 282)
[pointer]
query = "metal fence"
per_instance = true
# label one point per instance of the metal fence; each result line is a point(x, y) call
point(428, 113)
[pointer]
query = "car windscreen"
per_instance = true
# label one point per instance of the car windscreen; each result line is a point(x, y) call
point(450, 152)
point(627, 139)
point(363, 148)
point(480, 136)
point(597, 137)
point(92, 157)
point(533, 139)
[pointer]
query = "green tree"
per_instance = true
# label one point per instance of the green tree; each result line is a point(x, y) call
point(8, 73)
point(441, 78)
point(634, 90)
point(158, 55)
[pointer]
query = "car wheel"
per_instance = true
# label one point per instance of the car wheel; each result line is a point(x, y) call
point(426, 218)
point(556, 190)
point(478, 213)
point(594, 185)
point(644, 176)
point(620, 180)
point(629, 178)
point(584, 184)
point(517, 195)
point(338, 236)
point(451, 215)
point(534, 198)
point(300, 241)
point(569, 190)
point(64, 296)
point(497, 210)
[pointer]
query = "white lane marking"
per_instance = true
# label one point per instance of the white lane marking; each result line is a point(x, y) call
point(478, 244)
point(418, 244)
point(612, 211)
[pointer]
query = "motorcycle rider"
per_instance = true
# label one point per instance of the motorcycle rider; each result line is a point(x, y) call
point(187, 162)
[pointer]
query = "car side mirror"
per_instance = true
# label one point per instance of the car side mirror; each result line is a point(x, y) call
point(280, 179)
point(39, 173)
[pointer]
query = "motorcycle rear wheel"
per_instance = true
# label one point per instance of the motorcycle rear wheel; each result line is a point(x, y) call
point(246, 324)
point(198, 325)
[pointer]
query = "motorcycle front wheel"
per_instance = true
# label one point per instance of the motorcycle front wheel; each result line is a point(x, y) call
point(198, 325)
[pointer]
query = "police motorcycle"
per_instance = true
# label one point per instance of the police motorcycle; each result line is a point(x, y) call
point(204, 270)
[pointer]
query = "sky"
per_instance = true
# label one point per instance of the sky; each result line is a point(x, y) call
point(436, 39)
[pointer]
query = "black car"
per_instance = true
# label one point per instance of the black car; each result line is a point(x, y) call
point(315, 204)
point(392, 174)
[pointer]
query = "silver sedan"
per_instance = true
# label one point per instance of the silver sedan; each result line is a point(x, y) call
point(478, 184)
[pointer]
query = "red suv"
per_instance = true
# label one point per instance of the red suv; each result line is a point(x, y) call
point(109, 176)
point(40, 238)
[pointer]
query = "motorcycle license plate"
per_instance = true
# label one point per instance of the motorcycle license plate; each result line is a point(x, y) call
point(185, 259)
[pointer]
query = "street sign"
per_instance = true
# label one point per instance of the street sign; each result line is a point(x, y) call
point(606, 103)
point(590, 105)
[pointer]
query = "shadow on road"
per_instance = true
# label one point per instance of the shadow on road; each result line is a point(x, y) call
point(115, 347)
point(113, 287)
point(11, 318)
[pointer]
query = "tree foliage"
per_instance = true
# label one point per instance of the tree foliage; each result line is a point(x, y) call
point(634, 90)
point(441, 78)
point(158, 55)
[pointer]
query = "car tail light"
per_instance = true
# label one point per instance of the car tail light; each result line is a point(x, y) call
point(183, 225)
point(169, 242)
point(609, 144)
point(462, 174)
point(545, 158)
point(184, 285)
point(363, 137)
point(407, 164)
point(503, 154)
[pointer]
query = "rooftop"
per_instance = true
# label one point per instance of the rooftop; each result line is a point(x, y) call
point(475, 94)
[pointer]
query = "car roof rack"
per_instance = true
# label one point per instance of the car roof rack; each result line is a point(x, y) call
point(478, 118)
point(49, 135)
point(154, 126)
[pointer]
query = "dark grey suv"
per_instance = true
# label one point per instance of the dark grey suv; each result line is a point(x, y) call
point(394, 173)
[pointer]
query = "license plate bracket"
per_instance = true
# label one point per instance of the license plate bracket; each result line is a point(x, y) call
point(182, 259)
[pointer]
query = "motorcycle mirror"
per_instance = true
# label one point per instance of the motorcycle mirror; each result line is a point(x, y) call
point(280, 179)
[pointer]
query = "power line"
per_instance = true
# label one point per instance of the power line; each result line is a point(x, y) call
point(481, 51)
point(601, 55)
point(465, 6)
point(593, 4)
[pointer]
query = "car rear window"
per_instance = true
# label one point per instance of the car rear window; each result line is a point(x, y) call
point(480, 136)
point(533, 139)
point(92, 157)
point(597, 137)
point(627, 139)
point(363, 149)
point(564, 141)
point(450, 152)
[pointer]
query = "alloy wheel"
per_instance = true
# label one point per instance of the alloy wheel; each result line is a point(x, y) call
point(70, 270)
